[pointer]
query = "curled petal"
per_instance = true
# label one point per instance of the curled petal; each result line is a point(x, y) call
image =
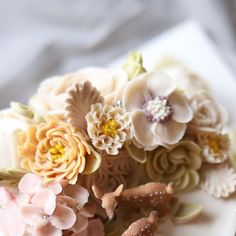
point(143, 137)
point(45, 200)
point(80, 224)
point(47, 229)
point(135, 94)
point(63, 217)
point(159, 84)
point(182, 111)
point(170, 132)
point(29, 183)
point(31, 215)
point(78, 193)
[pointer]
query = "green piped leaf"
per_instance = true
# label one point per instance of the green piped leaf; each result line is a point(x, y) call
point(185, 212)
point(134, 65)
point(136, 153)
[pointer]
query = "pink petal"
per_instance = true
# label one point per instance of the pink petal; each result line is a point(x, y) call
point(135, 94)
point(55, 186)
point(5, 196)
point(31, 215)
point(78, 193)
point(45, 200)
point(47, 229)
point(182, 111)
point(142, 130)
point(170, 132)
point(63, 217)
point(96, 228)
point(80, 224)
point(159, 84)
point(29, 183)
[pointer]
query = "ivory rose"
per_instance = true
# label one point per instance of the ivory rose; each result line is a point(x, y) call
point(50, 97)
point(10, 124)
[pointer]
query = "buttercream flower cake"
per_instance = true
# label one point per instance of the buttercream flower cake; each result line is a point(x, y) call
point(107, 152)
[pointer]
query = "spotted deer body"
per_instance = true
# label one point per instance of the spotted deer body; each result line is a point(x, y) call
point(143, 227)
point(155, 196)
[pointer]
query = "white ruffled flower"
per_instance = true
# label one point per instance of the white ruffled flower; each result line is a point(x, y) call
point(108, 127)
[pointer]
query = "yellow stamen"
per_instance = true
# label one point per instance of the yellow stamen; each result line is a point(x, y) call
point(109, 128)
point(214, 145)
point(57, 151)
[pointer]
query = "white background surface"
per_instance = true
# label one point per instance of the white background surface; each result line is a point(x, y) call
point(189, 44)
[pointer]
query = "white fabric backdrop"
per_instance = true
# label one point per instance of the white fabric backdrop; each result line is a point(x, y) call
point(47, 37)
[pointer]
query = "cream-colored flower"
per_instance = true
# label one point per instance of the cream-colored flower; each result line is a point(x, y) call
point(159, 111)
point(11, 122)
point(208, 116)
point(184, 78)
point(179, 164)
point(50, 97)
point(108, 127)
point(113, 171)
point(215, 147)
point(56, 151)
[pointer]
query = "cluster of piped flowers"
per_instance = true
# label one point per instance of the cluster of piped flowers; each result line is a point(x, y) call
point(102, 151)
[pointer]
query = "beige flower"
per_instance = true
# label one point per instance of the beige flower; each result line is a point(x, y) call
point(208, 115)
point(215, 147)
point(108, 127)
point(113, 171)
point(159, 111)
point(178, 164)
point(50, 97)
point(184, 78)
point(56, 151)
point(218, 180)
point(11, 122)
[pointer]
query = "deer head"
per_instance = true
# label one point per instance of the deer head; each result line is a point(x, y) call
point(109, 200)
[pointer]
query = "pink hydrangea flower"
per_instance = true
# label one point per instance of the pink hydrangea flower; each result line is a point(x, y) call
point(10, 217)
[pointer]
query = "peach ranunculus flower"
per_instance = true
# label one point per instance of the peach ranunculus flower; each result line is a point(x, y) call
point(56, 151)
point(159, 110)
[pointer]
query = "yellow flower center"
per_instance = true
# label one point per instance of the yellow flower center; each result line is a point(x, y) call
point(109, 128)
point(57, 151)
point(214, 146)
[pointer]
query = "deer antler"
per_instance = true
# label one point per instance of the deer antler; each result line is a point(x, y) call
point(144, 227)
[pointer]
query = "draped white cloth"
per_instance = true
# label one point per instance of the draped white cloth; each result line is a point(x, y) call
point(43, 38)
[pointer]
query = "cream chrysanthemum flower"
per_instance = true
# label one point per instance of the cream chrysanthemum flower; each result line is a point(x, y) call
point(108, 127)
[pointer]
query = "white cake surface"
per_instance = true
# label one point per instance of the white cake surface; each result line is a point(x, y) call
point(189, 43)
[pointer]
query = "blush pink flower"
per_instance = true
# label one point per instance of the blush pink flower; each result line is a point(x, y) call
point(10, 217)
point(46, 216)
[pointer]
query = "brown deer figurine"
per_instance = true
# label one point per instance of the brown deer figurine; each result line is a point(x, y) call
point(151, 195)
point(144, 227)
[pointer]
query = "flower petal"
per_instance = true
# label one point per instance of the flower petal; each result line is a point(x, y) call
point(63, 217)
point(55, 186)
point(45, 200)
point(170, 132)
point(78, 193)
point(142, 130)
point(182, 111)
point(135, 94)
point(31, 215)
point(159, 84)
point(96, 228)
point(47, 229)
point(29, 183)
point(80, 224)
